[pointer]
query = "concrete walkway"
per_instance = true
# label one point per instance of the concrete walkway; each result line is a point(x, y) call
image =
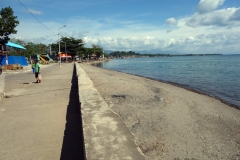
point(105, 135)
point(43, 120)
point(24, 70)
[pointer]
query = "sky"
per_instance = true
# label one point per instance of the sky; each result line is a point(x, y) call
point(161, 26)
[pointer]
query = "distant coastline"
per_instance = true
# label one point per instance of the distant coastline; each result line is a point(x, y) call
point(131, 54)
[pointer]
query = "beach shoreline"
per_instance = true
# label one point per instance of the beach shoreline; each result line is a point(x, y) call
point(169, 121)
point(189, 89)
point(172, 83)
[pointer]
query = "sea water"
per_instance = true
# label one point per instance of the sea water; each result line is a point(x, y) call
point(217, 75)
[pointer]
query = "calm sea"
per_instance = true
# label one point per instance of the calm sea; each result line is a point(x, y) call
point(217, 76)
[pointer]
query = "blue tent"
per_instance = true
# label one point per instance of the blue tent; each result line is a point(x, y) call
point(14, 60)
point(11, 44)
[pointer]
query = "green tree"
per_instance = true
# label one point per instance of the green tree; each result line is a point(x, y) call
point(30, 49)
point(97, 50)
point(73, 46)
point(90, 52)
point(54, 48)
point(41, 48)
point(82, 52)
point(8, 22)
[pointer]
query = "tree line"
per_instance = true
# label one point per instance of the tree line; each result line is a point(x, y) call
point(121, 54)
point(74, 47)
point(130, 54)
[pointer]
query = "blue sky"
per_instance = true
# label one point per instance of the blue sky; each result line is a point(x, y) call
point(185, 26)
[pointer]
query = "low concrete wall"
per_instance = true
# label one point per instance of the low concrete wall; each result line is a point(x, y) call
point(105, 135)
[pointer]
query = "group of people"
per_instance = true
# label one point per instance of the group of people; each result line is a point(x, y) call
point(36, 70)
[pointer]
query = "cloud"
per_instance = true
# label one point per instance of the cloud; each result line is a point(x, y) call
point(236, 15)
point(79, 34)
point(224, 17)
point(115, 34)
point(128, 43)
point(171, 22)
point(35, 12)
point(205, 6)
point(223, 42)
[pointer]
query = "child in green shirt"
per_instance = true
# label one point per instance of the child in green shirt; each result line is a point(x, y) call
point(37, 71)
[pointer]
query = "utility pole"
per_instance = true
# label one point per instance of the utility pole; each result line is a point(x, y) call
point(59, 48)
point(50, 50)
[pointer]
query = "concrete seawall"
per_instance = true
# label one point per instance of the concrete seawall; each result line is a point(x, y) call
point(105, 134)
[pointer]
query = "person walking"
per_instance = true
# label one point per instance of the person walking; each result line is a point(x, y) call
point(37, 70)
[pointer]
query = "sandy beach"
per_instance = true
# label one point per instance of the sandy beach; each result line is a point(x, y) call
point(170, 122)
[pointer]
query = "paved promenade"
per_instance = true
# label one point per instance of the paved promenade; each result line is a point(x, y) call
point(44, 121)
point(41, 121)
point(7, 72)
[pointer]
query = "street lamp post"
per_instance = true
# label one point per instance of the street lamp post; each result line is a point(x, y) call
point(59, 46)
point(65, 50)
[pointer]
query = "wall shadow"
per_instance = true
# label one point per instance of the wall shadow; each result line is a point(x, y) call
point(73, 143)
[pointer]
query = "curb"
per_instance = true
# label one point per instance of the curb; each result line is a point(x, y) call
point(16, 72)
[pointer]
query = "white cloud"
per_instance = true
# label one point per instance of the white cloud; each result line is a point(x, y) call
point(171, 22)
point(77, 34)
point(223, 17)
point(35, 12)
point(136, 36)
point(236, 15)
point(128, 43)
point(206, 6)
point(223, 42)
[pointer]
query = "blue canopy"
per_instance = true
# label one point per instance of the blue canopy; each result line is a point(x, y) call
point(11, 44)
point(14, 60)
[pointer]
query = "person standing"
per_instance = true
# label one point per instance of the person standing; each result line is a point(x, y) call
point(6, 62)
point(37, 70)
point(33, 67)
